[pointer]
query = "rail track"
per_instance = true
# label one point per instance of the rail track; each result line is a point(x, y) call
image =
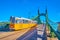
point(12, 35)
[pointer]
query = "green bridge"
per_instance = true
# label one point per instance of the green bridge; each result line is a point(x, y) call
point(52, 26)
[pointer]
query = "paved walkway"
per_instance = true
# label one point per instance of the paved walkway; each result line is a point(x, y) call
point(36, 33)
point(41, 34)
point(12, 35)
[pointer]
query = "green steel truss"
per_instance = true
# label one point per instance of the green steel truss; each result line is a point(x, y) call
point(37, 18)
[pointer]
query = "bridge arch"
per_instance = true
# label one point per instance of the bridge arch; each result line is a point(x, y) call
point(42, 14)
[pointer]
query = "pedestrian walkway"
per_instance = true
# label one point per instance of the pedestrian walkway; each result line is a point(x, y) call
point(41, 34)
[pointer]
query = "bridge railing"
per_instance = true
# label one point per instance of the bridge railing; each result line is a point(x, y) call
point(54, 27)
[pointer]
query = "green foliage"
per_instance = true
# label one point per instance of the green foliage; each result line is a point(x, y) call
point(3, 23)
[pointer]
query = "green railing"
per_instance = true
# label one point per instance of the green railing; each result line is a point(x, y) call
point(52, 30)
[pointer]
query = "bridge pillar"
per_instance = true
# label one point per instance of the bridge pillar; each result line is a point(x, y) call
point(38, 19)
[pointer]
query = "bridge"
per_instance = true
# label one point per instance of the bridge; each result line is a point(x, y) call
point(51, 27)
point(47, 30)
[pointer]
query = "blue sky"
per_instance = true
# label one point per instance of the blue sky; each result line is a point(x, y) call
point(22, 8)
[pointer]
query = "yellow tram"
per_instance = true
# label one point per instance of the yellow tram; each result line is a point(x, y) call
point(21, 23)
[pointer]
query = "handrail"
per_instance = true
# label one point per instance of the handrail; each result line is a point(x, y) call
point(57, 34)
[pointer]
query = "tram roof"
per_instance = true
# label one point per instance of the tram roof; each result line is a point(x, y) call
point(17, 18)
point(22, 18)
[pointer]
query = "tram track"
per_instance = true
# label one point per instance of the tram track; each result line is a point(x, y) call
point(14, 35)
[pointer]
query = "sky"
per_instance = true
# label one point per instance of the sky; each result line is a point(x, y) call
point(29, 8)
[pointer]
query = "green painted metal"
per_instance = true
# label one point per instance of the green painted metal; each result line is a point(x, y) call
point(53, 33)
point(46, 17)
point(56, 33)
point(37, 18)
point(49, 27)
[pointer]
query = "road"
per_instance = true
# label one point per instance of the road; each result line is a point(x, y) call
point(13, 35)
point(39, 32)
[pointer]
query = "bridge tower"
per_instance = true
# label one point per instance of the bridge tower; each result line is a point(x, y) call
point(46, 15)
point(38, 19)
point(47, 24)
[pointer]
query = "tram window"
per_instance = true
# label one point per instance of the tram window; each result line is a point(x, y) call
point(25, 21)
point(18, 21)
point(29, 21)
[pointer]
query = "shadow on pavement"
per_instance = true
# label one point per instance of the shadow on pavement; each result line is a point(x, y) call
point(30, 35)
